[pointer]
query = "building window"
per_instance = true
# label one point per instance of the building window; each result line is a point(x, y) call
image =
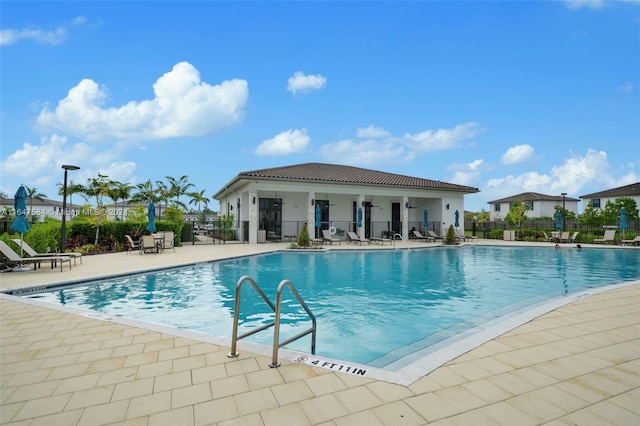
point(595, 203)
point(528, 205)
point(496, 208)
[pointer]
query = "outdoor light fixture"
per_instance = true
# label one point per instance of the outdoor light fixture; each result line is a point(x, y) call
point(406, 205)
point(63, 232)
point(362, 204)
point(313, 201)
point(447, 206)
point(254, 200)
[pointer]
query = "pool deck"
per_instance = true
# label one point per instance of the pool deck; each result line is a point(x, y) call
point(577, 364)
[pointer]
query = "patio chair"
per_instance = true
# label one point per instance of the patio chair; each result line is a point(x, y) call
point(434, 235)
point(133, 245)
point(326, 236)
point(167, 243)
point(564, 237)
point(574, 237)
point(607, 238)
point(32, 253)
point(418, 236)
point(14, 259)
point(634, 242)
point(352, 237)
point(460, 236)
point(546, 237)
point(148, 244)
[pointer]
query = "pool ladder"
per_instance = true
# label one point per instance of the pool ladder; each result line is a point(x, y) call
point(275, 308)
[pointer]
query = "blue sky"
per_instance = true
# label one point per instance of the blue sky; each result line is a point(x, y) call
point(507, 97)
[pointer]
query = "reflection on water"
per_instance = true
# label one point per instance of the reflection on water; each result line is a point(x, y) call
point(368, 304)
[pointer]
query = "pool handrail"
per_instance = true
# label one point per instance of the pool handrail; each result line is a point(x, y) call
point(276, 332)
point(236, 313)
point(399, 235)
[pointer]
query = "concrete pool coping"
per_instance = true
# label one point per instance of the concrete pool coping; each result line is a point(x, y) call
point(596, 380)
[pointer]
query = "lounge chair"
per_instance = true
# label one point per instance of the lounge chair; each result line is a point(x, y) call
point(167, 242)
point(564, 237)
point(546, 237)
point(418, 236)
point(133, 245)
point(326, 236)
point(14, 258)
point(634, 242)
point(574, 237)
point(607, 238)
point(32, 253)
point(380, 241)
point(352, 237)
point(434, 235)
point(148, 244)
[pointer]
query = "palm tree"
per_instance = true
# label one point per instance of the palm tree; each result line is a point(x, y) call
point(98, 188)
point(72, 188)
point(33, 193)
point(119, 191)
point(198, 197)
point(179, 187)
point(146, 194)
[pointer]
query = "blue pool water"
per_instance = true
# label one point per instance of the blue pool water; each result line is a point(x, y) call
point(372, 307)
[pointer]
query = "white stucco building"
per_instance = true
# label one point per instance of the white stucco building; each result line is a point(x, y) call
point(275, 203)
point(537, 205)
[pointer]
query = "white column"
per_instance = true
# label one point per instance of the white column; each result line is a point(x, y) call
point(311, 214)
point(405, 218)
point(253, 216)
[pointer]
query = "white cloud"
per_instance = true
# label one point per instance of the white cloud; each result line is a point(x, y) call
point(626, 88)
point(290, 142)
point(54, 37)
point(299, 83)
point(367, 152)
point(183, 106)
point(578, 171)
point(45, 160)
point(469, 173)
point(442, 139)
point(517, 154)
point(372, 132)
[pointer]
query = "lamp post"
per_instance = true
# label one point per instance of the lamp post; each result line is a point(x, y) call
point(63, 232)
point(564, 211)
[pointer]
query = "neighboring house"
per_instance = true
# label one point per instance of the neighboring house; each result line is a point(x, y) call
point(44, 208)
point(120, 211)
point(537, 205)
point(599, 199)
point(275, 203)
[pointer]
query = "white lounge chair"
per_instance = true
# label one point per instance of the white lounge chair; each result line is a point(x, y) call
point(574, 237)
point(326, 236)
point(418, 236)
point(607, 238)
point(634, 242)
point(352, 237)
point(434, 235)
point(32, 253)
point(14, 259)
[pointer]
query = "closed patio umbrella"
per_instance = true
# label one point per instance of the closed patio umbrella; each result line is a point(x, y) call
point(318, 224)
point(623, 220)
point(558, 219)
point(151, 226)
point(425, 214)
point(359, 217)
point(20, 223)
point(457, 214)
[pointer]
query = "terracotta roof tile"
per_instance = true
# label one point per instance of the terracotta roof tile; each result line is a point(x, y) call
point(320, 172)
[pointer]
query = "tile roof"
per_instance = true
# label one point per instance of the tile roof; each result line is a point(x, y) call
point(532, 196)
point(622, 191)
point(320, 172)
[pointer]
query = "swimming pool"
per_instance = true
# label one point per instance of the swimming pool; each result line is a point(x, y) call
point(377, 308)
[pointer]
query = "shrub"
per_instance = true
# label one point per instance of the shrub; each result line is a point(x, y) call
point(451, 236)
point(303, 238)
